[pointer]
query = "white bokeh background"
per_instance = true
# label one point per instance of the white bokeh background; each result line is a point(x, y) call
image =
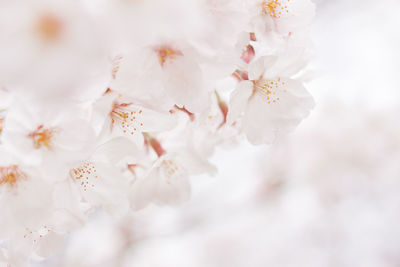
point(327, 196)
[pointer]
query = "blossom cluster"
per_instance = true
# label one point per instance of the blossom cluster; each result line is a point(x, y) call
point(112, 105)
point(344, 188)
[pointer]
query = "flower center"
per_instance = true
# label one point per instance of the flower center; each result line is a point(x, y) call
point(170, 170)
point(49, 27)
point(127, 117)
point(85, 175)
point(167, 53)
point(271, 89)
point(42, 137)
point(10, 175)
point(274, 8)
point(36, 235)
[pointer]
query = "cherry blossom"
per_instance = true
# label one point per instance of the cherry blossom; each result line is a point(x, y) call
point(165, 69)
point(122, 116)
point(282, 16)
point(272, 104)
point(168, 180)
point(28, 206)
point(98, 179)
point(47, 138)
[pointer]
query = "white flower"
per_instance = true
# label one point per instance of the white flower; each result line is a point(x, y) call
point(281, 16)
point(115, 115)
point(272, 104)
point(168, 180)
point(166, 71)
point(209, 130)
point(47, 136)
point(42, 242)
point(23, 192)
point(27, 207)
point(100, 182)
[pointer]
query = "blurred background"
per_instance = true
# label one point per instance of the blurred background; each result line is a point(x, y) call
point(328, 195)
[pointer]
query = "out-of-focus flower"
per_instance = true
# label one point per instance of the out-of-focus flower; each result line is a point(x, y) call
point(52, 47)
point(168, 180)
point(272, 104)
point(27, 206)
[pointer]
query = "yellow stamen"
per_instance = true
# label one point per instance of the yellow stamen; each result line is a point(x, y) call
point(10, 175)
point(42, 137)
point(167, 53)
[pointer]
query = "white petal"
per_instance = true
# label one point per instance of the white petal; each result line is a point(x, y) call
point(154, 121)
point(264, 122)
point(184, 83)
point(194, 164)
point(238, 100)
point(103, 186)
point(144, 190)
point(50, 244)
point(115, 150)
point(167, 183)
point(173, 193)
point(259, 66)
